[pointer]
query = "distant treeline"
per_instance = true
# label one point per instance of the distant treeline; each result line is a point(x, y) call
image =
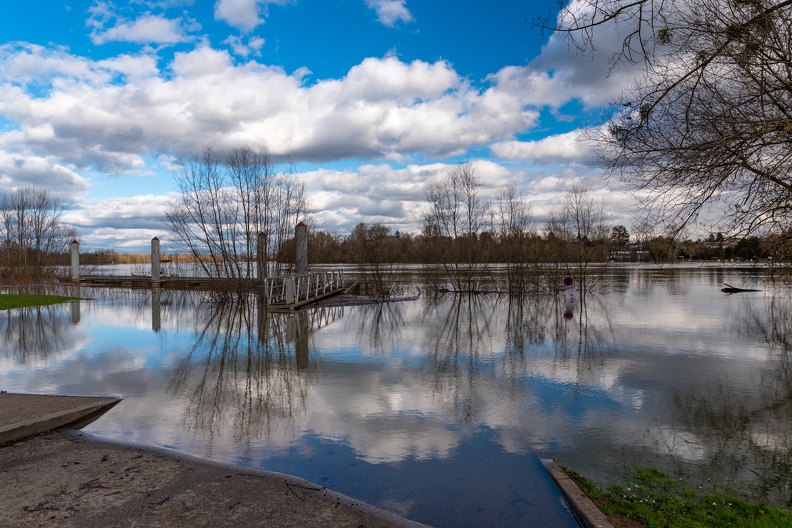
point(408, 248)
point(225, 205)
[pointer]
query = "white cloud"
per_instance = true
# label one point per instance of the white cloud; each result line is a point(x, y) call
point(572, 147)
point(245, 15)
point(142, 211)
point(242, 48)
point(24, 170)
point(116, 115)
point(389, 78)
point(147, 29)
point(382, 108)
point(389, 12)
point(29, 63)
point(124, 223)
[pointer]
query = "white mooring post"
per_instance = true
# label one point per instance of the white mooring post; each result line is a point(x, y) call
point(155, 262)
point(75, 261)
point(301, 248)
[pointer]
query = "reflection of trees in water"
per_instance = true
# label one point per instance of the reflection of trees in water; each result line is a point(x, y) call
point(465, 330)
point(381, 325)
point(584, 339)
point(744, 431)
point(480, 340)
point(526, 322)
point(36, 333)
point(242, 371)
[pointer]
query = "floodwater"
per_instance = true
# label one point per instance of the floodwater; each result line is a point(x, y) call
point(441, 408)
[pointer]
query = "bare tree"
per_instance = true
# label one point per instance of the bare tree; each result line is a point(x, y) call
point(33, 233)
point(222, 207)
point(455, 217)
point(517, 238)
point(374, 251)
point(578, 236)
point(707, 128)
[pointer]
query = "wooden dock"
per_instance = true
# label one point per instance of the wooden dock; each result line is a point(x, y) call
point(172, 283)
point(282, 293)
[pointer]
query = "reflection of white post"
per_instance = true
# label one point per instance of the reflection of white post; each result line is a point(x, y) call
point(156, 306)
point(301, 340)
point(261, 306)
point(155, 262)
point(75, 260)
point(75, 305)
point(261, 256)
point(301, 248)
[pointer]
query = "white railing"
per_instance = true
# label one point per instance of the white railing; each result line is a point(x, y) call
point(302, 287)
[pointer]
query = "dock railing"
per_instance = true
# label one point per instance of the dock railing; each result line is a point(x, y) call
point(301, 288)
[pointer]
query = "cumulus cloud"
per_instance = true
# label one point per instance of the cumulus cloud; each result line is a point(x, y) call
point(123, 223)
point(22, 170)
point(148, 29)
point(572, 147)
point(244, 48)
point(371, 194)
point(65, 113)
point(380, 108)
point(561, 73)
point(245, 15)
point(389, 12)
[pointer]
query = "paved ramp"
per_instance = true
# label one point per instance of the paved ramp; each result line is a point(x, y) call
point(23, 415)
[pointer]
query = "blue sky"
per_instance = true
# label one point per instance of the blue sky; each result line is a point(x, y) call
point(372, 100)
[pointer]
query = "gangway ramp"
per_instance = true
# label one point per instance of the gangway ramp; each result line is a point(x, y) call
point(289, 292)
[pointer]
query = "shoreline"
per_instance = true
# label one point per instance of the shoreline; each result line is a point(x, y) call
point(70, 478)
point(53, 473)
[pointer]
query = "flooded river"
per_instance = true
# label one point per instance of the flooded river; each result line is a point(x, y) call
point(440, 408)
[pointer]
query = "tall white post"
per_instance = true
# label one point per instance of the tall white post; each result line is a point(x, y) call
point(301, 248)
point(75, 261)
point(155, 262)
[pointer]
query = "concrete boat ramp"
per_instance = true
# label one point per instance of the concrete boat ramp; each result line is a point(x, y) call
point(54, 476)
point(24, 415)
point(66, 478)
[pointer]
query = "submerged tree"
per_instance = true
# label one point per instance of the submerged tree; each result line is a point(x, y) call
point(707, 128)
point(224, 204)
point(454, 219)
point(517, 240)
point(578, 235)
point(33, 232)
point(374, 250)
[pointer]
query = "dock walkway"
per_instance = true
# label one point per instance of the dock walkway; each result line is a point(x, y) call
point(282, 293)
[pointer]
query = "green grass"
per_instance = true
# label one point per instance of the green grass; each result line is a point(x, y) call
point(13, 300)
point(658, 500)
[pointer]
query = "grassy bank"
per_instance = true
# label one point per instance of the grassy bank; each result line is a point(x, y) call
point(654, 499)
point(13, 300)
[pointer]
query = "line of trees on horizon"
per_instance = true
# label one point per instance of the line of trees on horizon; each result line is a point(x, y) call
point(225, 203)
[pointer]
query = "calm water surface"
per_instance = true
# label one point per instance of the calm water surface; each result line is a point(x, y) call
point(440, 409)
